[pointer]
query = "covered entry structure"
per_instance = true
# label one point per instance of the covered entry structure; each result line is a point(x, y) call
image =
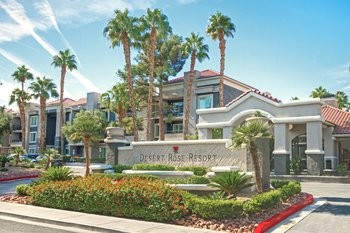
point(302, 119)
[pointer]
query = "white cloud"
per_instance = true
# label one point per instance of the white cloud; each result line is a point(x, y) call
point(17, 12)
point(86, 11)
point(6, 89)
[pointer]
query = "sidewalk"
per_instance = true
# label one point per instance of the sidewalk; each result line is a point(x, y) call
point(90, 222)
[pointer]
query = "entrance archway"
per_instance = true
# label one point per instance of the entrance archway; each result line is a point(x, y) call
point(299, 147)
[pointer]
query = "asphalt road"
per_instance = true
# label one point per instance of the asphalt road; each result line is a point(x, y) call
point(10, 186)
point(333, 216)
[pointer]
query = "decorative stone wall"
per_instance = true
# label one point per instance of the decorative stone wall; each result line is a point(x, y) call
point(207, 153)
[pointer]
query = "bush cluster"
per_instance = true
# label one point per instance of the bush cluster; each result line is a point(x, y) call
point(23, 189)
point(221, 209)
point(197, 170)
point(153, 167)
point(128, 197)
point(188, 180)
point(119, 168)
point(276, 184)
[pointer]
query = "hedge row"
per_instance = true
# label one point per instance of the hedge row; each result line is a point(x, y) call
point(131, 197)
point(221, 209)
point(197, 170)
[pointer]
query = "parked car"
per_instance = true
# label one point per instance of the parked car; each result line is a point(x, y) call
point(32, 156)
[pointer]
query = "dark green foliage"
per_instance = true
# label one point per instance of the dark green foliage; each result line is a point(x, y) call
point(131, 197)
point(120, 176)
point(3, 169)
point(23, 189)
point(231, 182)
point(270, 199)
point(3, 160)
point(153, 167)
point(189, 180)
point(119, 168)
point(57, 174)
point(217, 209)
point(98, 160)
point(217, 196)
point(197, 170)
point(276, 184)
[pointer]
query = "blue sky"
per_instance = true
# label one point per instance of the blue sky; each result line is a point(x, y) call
point(287, 48)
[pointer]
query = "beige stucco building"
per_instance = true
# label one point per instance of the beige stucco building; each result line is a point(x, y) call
point(313, 129)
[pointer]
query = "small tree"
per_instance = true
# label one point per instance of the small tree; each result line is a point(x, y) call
point(247, 134)
point(50, 154)
point(87, 127)
point(18, 151)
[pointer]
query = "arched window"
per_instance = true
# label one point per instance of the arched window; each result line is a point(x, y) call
point(298, 151)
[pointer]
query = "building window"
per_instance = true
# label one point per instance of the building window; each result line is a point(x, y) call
point(33, 121)
point(32, 137)
point(205, 101)
point(102, 152)
point(178, 108)
point(177, 128)
point(156, 130)
point(31, 150)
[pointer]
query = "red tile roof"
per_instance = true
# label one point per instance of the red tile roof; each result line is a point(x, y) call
point(65, 101)
point(338, 117)
point(264, 94)
point(81, 101)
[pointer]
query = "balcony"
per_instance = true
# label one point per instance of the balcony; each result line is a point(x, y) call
point(16, 127)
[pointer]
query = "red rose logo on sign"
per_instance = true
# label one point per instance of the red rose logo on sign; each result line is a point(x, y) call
point(176, 149)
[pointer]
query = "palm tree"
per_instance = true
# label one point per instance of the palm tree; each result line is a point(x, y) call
point(220, 26)
point(319, 92)
point(43, 89)
point(122, 30)
point(247, 134)
point(64, 60)
point(117, 100)
point(18, 151)
point(342, 99)
point(155, 23)
point(86, 127)
point(21, 75)
point(21, 98)
point(195, 47)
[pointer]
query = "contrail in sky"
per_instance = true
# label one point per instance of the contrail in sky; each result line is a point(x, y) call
point(45, 9)
point(17, 12)
point(18, 62)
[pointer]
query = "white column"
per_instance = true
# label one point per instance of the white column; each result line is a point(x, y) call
point(204, 133)
point(227, 132)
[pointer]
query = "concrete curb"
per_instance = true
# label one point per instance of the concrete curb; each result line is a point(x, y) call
point(62, 223)
point(19, 178)
point(269, 223)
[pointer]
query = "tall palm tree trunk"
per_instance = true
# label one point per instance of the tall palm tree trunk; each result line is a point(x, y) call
point(255, 159)
point(23, 123)
point(126, 48)
point(161, 115)
point(42, 123)
point(120, 112)
point(222, 47)
point(87, 156)
point(63, 75)
point(150, 90)
point(189, 95)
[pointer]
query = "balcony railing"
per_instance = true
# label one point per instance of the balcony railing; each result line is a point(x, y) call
point(16, 127)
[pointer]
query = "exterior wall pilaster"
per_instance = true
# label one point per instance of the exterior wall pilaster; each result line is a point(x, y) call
point(282, 149)
point(314, 152)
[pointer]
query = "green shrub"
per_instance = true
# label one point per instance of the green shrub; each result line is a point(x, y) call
point(188, 180)
point(217, 196)
point(341, 169)
point(197, 170)
point(119, 168)
point(57, 174)
point(231, 182)
point(276, 184)
point(98, 160)
point(153, 167)
point(292, 188)
point(217, 209)
point(3, 169)
point(3, 160)
point(120, 176)
point(23, 189)
point(269, 199)
point(130, 197)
